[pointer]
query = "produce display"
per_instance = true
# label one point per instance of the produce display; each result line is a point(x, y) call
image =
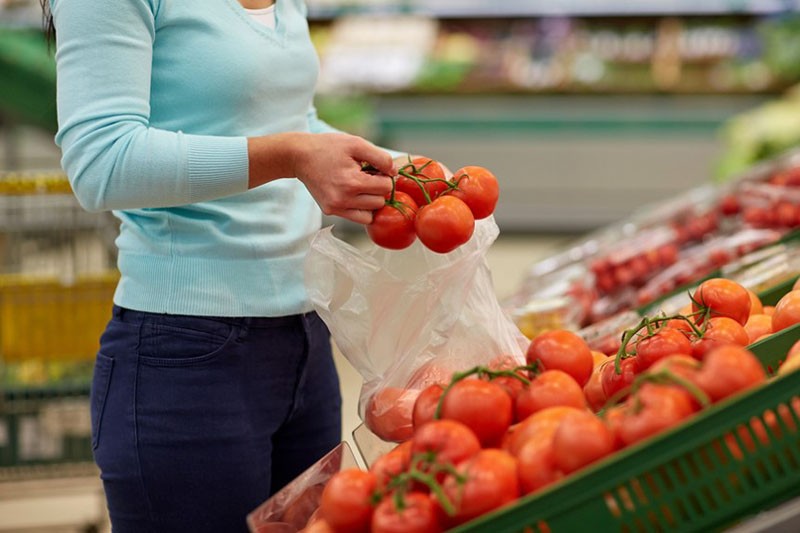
point(488, 436)
point(660, 249)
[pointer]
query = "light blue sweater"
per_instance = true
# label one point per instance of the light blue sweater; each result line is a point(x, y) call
point(155, 101)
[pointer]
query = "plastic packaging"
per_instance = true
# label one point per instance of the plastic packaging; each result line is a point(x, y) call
point(406, 319)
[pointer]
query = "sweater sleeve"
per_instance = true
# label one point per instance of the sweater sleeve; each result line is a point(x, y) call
point(112, 156)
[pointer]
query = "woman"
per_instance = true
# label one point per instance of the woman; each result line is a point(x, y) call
point(193, 121)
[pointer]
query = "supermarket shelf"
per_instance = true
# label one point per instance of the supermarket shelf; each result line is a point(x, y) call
point(522, 8)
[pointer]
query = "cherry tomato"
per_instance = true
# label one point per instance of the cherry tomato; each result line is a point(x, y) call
point(787, 311)
point(482, 406)
point(551, 388)
point(445, 224)
point(392, 225)
point(426, 405)
point(388, 413)
point(562, 350)
point(426, 169)
point(419, 514)
point(451, 441)
point(725, 298)
point(666, 341)
point(581, 439)
point(478, 188)
point(729, 369)
point(345, 504)
point(491, 482)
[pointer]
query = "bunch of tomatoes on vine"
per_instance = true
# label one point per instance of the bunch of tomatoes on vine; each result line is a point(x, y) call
point(494, 433)
point(425, 204)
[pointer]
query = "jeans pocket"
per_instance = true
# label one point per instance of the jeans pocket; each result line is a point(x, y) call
point(100, 384)
point(179, 341)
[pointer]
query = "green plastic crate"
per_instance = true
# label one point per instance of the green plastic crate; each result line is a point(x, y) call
point(686, 479)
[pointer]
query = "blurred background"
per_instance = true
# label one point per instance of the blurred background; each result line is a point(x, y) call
point(588, 111)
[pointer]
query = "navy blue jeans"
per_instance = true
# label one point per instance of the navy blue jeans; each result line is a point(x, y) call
point(196, 421)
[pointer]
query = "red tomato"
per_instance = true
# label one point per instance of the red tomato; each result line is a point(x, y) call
point(551, 388)
point(451, 441)
point(544, 422)
point(562, 350)
point(392, 225)
point(683, 365)
point(729, 369)
point(482, 406)
point(612, 382)
point(537, 464)
point(756, 307)
point(664, 342)
point(491, 482)
point(426, 405)
point(317, 526)
point(725, 298)
point(419, 514)
point(345, 503)
point(652, 410)
point(757, 326)
point(388, 413)
point(787, 311)
point(432, 170)
point(581, 439)
point(593, 391)
point(478, 188)
point(391, 464)
point(445, 224)
point(721, 330)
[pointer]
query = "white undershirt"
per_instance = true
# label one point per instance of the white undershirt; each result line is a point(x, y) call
point(264, 15)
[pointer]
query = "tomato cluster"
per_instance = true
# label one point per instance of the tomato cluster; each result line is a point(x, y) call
point(440, 212)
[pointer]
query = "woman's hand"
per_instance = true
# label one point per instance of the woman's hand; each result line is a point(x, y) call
point(329, 165)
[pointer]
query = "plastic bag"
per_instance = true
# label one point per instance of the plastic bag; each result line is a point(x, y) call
point(409, 318)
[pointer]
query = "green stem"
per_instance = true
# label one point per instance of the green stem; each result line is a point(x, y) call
point(436, 489)
point(418, 182)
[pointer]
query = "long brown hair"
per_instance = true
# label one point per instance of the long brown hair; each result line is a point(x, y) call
point(47, 21)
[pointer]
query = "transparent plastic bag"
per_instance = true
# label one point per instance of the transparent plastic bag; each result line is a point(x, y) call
point(407, 319)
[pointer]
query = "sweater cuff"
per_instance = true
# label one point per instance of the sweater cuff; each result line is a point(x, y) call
point(216, 166)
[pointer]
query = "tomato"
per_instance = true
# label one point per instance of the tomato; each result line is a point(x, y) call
point(666, 341)
point(613, 383)
point(388, 413)
point(756, 307)
point(391, 464)
point(392, 225)
point(478, 188)
point(684, 366)
point(551, 388)
point(451, 441)
point(482, 406)
point(317, 526)
point(787, 311)
point(613, 417)
point(653, 409)
point(593, 391)
point(581, 439)
point(542, 422)
point(426, 405)
point(491, 482)
point(729, 369)
point(720, 331)
point(725, 298)
point(757, 326)
point(345, 504)
point(419, 514)
point(562, 350)
point(426, 169)
point(445, 224)
point(769, 310)
point(537, 464)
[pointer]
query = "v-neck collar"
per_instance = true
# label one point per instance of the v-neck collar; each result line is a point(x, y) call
point(278, 33)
